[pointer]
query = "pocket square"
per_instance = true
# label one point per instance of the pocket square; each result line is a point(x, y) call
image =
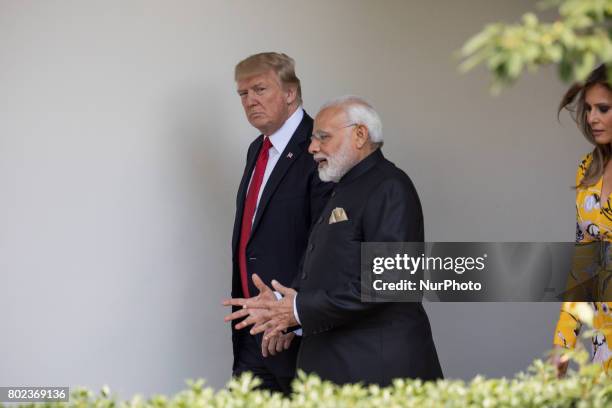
point(338, 214)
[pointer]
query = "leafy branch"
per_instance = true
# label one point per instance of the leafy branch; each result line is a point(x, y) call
point(576, 42)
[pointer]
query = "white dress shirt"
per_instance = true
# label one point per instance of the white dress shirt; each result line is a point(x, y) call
point(280, 140)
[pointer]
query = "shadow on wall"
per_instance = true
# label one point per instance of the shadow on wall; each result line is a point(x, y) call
point(208, 183)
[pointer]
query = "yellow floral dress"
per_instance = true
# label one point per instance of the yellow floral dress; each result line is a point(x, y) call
point(593, 224)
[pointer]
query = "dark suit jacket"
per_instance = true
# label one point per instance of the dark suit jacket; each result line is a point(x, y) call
point(346, 340)
point(292, 198)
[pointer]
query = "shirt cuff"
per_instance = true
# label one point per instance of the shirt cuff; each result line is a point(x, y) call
point(297, 332)
point(295, 313)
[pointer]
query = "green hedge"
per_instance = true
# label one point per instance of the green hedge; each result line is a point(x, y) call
point(538, 387)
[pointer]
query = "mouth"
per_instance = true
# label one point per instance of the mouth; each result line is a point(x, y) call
point(321, 161)
point(597, 132)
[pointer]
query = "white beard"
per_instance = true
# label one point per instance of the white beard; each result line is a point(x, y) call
point(337, 165)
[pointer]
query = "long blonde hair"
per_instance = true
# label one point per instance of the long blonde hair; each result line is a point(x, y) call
point(574, 102)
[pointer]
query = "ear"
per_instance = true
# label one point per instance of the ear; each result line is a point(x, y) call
point(362, 136)
point(290, 94)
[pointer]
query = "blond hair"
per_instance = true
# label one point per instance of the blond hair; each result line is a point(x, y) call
point(282, 64)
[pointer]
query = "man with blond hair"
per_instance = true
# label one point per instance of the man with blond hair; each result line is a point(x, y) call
point(279, 196)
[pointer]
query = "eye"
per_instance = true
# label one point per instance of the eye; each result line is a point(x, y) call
point(604, 109)
point(321, 137)
point(259, 90)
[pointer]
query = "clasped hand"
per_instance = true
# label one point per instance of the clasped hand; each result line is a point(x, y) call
point(267, 315)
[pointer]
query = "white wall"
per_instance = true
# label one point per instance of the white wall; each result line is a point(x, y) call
point(122, 143)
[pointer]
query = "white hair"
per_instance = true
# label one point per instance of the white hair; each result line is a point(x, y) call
point(359, 112)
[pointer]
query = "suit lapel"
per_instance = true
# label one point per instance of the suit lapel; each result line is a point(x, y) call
point(242, 190)
point(294, 149)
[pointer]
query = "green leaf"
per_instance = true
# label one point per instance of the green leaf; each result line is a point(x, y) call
point(566, 70)
point(609, 73)
point(477, 41)
point(472, 62)
point(584, 68)
point(530, 20)
point(515, 65)
point(555, 53)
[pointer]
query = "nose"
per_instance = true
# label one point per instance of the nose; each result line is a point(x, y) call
point(592, 117)
point(314, 146)
point(250, 98)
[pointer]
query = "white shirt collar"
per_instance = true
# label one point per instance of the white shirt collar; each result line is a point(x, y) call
point(281, 137)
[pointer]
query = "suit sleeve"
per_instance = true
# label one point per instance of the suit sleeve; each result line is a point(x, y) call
point(319, 192)
point(392, 214)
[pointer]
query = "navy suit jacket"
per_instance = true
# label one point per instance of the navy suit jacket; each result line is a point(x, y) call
point(292, 199)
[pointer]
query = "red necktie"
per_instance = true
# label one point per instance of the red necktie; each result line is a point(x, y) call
point(250, 205)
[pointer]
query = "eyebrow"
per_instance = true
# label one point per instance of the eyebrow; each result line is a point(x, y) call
point(258, 84)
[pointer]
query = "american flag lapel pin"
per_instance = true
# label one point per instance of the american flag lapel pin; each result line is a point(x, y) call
point(290, 155)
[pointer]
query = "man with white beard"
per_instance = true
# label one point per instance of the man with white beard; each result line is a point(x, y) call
point(346, 340)
point(335, 156)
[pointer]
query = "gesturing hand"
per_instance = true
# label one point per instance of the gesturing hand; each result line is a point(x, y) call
point(249, 306)
point(264, 311)
point(279, 315)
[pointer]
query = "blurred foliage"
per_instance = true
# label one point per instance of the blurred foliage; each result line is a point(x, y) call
point(576, 43)
point(587, 386)
point(538, 387)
